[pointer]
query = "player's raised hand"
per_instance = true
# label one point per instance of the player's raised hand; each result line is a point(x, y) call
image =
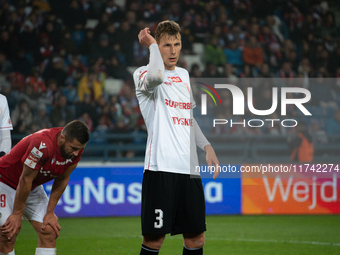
point(52, 220)
point(145, 38)
point(212, 160)
point(12, 226)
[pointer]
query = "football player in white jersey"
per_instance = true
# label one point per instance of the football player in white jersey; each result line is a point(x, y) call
point(5, 127)
point(172, 200)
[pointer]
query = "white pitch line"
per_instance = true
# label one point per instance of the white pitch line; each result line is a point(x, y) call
point(238, 240)
point(272, 241)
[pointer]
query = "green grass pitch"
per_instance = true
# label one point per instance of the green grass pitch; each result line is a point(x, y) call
point(316, 234)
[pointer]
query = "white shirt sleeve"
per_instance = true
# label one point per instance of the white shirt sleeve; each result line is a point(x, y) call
point(200, 139)
point(5, 140)
point(154, 75)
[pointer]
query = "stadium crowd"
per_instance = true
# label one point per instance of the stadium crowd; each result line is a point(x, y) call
point(56, 56)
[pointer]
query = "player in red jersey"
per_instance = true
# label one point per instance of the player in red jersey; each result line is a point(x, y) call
point(38, 158)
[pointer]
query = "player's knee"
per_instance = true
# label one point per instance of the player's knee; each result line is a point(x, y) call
point(7, 245)
point(153, 241)
point(194, 240)
point(47, 235)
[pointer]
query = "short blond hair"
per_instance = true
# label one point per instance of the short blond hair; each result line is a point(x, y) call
point(169, 28)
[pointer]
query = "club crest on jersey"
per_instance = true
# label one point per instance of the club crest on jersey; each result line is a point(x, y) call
point(175, 79)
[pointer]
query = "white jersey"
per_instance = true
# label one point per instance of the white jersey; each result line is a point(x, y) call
point(167, 112)
point(5, 120)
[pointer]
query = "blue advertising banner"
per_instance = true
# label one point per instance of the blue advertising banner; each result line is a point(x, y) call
point(99, 191)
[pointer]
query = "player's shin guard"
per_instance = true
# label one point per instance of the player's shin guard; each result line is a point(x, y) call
point(45, 251)
point(192, 251)
point(9, 253)
point(148, 251)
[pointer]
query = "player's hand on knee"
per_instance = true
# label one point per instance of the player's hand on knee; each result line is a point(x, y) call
point(52, 220)
point(12, 226)
point(145, 38)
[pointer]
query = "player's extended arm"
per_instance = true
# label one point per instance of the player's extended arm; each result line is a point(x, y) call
point(59, 185)
point(202, 142)
point(155, 73)
point(13, 223)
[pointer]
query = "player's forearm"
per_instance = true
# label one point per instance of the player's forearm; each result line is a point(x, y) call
point(21, 195)
point(58, 188)
point(155, 73)
point(200, 139)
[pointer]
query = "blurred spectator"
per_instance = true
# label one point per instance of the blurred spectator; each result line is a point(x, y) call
point(22, 118)
point(89, 85)
point(229, 72)
point(246, 72)
point(111, 32)
point(88, 43)
point(321, 91)
point(286, 71)
point(210, 71)
point(333, 125)
point(103, 49)
point(70, 92)
point(68, 44)
point(5, 44)
point(29, 96)
point(302, 146)
point(60, 114)
point(113, 11)
point(76, 67)
point(116, 70)
point(21, 64)
point(126, 36)
point(195, 71)
point(17, 80)
point(56, 71)
point(5, 65)
point(85, 117)
point(86, 106)
point(329, 28)
point(237, 35)
point(233, 54)
point(46, 48)
point(29, 38)
point(115, 108)
point(74, 14)
point(36, 81)
point(264, 71)
point(253, 53)
point(305, 67)
point(78, 34)
point(41, 119)
point(52, 93)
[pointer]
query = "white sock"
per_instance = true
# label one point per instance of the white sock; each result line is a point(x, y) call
point(10, 253)
point(45, 251)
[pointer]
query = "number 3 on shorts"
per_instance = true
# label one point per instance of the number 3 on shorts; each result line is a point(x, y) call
point(159, 218)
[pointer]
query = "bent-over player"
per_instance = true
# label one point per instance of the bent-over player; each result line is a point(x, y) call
point(172, 201)
point(38, 158)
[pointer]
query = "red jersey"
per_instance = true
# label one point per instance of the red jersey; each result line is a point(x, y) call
point(39, 152)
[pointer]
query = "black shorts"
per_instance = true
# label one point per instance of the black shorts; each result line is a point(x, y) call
point(172, 203)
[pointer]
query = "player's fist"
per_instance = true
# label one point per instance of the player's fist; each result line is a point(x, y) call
point(145, 38)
